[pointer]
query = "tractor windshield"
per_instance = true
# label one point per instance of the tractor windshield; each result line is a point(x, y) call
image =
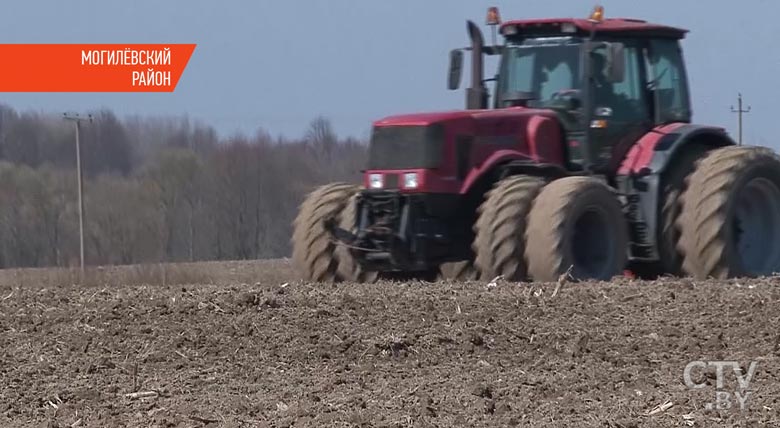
point(539, 68)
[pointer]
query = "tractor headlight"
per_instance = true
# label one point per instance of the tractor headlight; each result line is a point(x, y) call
point(375, 181)
point(411, 180)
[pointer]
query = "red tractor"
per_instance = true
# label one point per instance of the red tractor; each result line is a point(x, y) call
point(583, 160)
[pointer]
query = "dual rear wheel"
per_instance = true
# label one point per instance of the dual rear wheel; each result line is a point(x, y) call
point(730, 216)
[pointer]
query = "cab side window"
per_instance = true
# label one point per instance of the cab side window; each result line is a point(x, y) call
point(626, 98)
point(630, 89)
point(630, 86)
point(668, 81)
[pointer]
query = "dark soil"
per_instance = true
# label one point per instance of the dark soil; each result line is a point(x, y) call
point(391, 355)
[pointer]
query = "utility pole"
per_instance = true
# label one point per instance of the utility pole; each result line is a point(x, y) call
point(76, 119)
point(740, 111)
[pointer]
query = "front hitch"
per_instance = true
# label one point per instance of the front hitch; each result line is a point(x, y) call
point(365, 249)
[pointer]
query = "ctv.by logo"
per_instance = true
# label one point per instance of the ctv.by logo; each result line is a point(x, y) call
point(723, 398)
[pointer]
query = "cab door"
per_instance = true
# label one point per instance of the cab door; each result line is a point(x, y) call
point(621, 111)
point(668, 82)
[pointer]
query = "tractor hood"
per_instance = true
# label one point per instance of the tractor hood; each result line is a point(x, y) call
point(458, 144)
point(474, 116)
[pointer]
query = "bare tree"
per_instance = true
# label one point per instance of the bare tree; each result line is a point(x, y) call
point(321, 138)
point(158, 189)
point(178, 176)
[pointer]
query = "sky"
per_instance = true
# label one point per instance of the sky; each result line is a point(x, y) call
point(277, 64)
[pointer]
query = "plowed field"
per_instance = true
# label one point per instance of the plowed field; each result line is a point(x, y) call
point(274, 354)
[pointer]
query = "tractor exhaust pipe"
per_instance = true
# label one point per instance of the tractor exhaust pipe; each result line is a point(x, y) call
point(476, 95)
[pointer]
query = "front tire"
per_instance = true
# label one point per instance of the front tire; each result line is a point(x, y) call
point(500, 229)
point(348, 268)
point(731, 215)
point(577, 225)
point(315, 254)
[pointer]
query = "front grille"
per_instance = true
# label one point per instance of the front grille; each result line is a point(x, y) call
point(406, 147)
point(391, 181)
point(382, 204)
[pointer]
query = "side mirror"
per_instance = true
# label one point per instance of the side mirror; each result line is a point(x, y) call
point(456, 69)
point(615, 68)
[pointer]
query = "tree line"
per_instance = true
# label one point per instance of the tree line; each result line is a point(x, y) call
point(156, 189)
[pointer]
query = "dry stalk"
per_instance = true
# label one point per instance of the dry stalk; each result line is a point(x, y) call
point(661, 408)
point(141, 395)
point(135, 376)
point(562, 280)
point(203, 420)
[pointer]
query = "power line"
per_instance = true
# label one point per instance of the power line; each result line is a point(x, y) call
point(77, 121)
point(740, 111)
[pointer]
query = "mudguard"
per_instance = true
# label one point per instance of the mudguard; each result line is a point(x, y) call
point(654, 151)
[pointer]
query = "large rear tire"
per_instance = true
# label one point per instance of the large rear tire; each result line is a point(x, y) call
point(500, 229)
point(576, 224)
point(731, 215)
point(674, 183)
point(315, 254)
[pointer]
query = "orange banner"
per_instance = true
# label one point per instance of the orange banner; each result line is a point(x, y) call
point(92, 68)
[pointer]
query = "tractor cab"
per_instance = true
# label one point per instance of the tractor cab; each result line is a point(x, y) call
point(609, 81)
